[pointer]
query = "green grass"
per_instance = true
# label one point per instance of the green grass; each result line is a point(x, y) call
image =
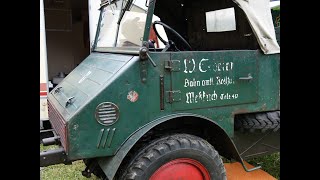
point(269, 163)
point(277, 8)
point(63, 172)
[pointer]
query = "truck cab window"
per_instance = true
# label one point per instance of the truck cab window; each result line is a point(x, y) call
point(125, 30)
point(202, 24)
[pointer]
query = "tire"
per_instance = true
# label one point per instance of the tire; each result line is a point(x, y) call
point(259, 121)
point(175, 153)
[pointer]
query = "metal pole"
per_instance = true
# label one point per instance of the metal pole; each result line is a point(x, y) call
point(94, 13)
point(43, 60)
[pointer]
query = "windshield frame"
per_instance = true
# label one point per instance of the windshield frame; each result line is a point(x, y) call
point(125, 50)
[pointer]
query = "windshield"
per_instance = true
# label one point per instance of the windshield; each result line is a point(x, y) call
point(129, 33)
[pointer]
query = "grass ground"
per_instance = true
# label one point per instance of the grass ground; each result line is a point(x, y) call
point(63, 172)
point(270, 164)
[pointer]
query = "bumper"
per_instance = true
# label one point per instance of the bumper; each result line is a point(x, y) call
point(55, 156)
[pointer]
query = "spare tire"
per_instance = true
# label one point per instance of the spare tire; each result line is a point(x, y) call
point(258, 121)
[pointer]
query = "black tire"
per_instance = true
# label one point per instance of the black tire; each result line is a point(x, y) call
point(151, 157)
point(258, 121)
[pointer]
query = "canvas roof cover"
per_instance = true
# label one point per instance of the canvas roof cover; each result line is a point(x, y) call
point(259, 15)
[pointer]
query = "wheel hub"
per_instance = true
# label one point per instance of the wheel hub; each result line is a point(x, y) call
point(181, 169)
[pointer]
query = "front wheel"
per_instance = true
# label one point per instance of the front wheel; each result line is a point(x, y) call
point(179, 156)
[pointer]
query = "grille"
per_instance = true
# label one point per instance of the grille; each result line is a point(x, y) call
point(107, 113)
point(58, 124)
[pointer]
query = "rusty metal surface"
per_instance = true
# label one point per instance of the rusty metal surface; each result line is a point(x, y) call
point(58, 124)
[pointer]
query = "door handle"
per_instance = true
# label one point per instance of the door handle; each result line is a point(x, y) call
point(69, 101)
point(249, 77)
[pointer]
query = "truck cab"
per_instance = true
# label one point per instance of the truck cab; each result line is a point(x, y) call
point(170, 84)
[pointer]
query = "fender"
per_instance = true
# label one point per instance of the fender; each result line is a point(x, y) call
point(110, 165)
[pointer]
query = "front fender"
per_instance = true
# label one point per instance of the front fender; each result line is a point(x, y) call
point(110, 165)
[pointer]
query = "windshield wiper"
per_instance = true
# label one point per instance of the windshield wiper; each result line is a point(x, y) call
point(124, 10)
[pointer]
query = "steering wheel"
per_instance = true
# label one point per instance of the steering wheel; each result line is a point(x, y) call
point(172, 30)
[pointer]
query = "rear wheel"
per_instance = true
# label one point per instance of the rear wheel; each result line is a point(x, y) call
point(179, 156)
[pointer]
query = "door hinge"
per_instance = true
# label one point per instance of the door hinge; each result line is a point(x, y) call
point(173, 96)
point(172, 65)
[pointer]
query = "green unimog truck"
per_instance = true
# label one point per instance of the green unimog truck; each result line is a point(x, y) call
point(171, 87)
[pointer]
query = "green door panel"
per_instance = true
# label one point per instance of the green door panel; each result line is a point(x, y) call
point(210, 79)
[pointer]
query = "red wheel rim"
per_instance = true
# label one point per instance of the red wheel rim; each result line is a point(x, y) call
point(181, 169)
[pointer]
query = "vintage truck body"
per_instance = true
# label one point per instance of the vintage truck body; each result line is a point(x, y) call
point(224, 90)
